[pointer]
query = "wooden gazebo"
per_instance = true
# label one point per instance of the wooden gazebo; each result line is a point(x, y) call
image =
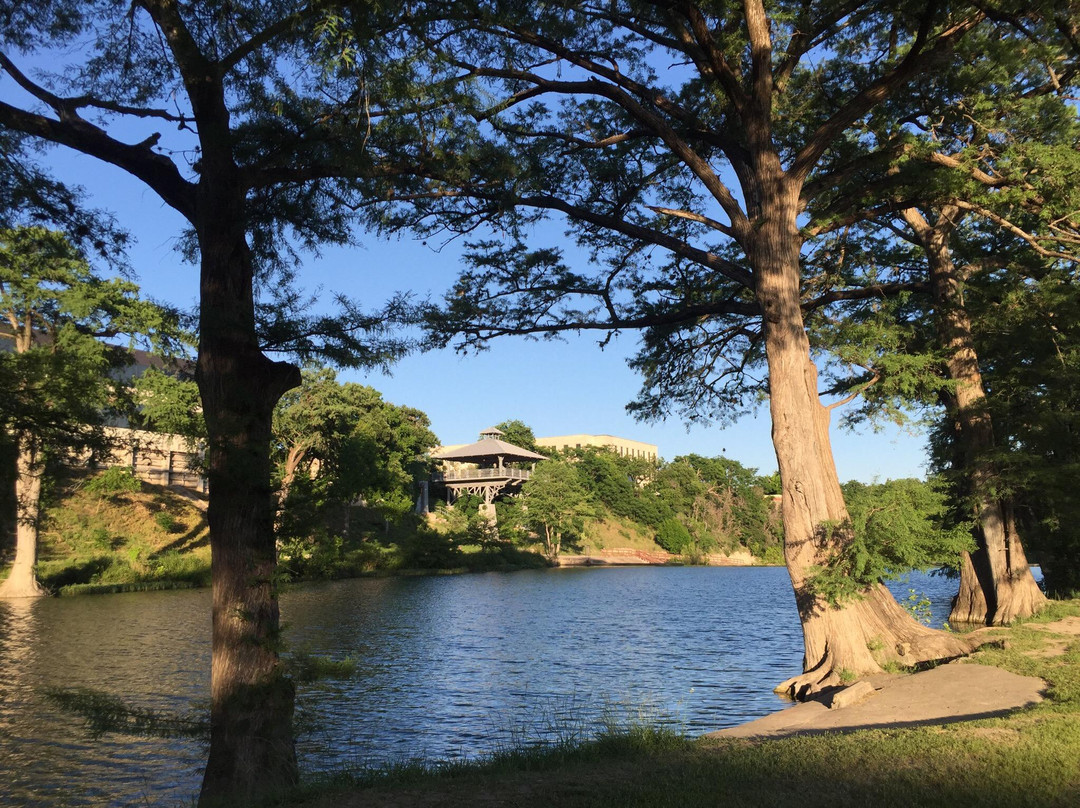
point(483, 468)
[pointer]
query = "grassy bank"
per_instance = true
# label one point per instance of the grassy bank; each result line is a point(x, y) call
point(1031, 758)
point(113, 534)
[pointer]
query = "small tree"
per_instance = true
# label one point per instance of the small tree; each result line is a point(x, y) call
point(344, 442)
point(554, 502)
point(895, 527)
point(674, 537)
point(58, 377)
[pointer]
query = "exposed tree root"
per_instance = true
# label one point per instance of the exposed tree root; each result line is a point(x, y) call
point(855, 639)
point(996, 599)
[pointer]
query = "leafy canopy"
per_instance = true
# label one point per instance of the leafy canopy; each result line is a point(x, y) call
point(895, 527)
point(347, 443)
point(70, 334)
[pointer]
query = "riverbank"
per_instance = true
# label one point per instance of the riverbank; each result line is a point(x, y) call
point(631, 557)
point(970, 757)
point(111, 534)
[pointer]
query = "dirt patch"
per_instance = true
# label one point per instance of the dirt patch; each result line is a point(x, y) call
point(996, 735)
point(955, 692)
point(1067, 625)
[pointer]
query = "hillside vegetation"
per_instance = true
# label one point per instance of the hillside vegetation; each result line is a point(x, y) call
point(112, 532)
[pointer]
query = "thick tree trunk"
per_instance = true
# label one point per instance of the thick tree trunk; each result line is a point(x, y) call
point(998, 567)
point(22, 583)
point(970, 599)
point(252, 750)
point(855, 637)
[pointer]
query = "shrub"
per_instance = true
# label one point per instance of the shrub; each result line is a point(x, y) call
point(117, 480)
point(673, 536)
point(773, 555)
point(166, 521)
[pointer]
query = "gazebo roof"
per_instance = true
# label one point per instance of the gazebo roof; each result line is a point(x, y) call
point(488, 449)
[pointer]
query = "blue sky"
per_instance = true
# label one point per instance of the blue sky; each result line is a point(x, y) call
point(555, 387)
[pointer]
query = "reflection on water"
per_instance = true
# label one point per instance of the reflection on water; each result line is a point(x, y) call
point(152, 649)
point(445, 667)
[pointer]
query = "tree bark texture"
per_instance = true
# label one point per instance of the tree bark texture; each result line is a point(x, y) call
point(854, 637)
point(252, 751)
point(251, 746)
point(998, 568)
point(22, 582)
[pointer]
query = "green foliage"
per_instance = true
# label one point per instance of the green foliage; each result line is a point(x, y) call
point(734, 507)
point(166, 521)
point(30, 196)
point(338, 443)
point(437, 551)
point(918, 606)
point(518, 433)
point(318, 555)
point(306, 668)
point(718, 502)
point(895, 527)
point(62, 378)
point(612, 481)
point(674, 537)
point(169, 402)
point(555, 503)
point(115, 480)
point(773, 556)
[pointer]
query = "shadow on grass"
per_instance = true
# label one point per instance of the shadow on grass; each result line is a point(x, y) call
point(198, 536)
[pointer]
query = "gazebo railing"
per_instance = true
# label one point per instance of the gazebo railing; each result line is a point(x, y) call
point(460, 475)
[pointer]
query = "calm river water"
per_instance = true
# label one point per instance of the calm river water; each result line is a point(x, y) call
point(445, 667)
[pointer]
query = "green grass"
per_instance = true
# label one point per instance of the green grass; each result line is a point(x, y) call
point(989, 763)
point(102, 536)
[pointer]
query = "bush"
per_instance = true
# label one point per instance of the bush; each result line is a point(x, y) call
point(117, 480)
point(673, 536)
point(773, 555)
point(166, 521)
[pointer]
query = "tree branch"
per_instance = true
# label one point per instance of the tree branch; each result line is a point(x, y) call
point(859, 390)
point(728, 269)
point(263, 38)
point(157, 171)
point(1031, 240)
point(880, 290)
point(693, 217)
point(917, 57)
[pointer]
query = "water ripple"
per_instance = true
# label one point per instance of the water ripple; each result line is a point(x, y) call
point(446, 667)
